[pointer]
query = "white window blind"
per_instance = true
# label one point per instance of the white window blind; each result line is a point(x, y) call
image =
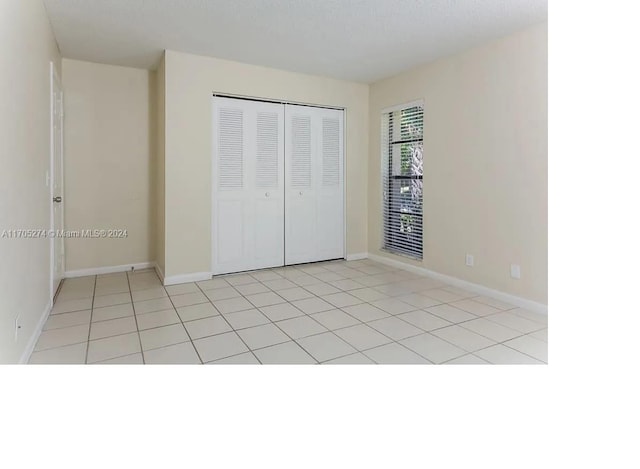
point(402, 146)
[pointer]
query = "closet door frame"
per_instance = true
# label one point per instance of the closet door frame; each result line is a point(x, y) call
point(284, 175)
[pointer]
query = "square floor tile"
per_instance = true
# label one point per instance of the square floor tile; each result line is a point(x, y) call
point(479, 309)
point(157, 319)
point(346, 284)
point(492, 330)
point(178, 354)
point(238, 279)
point(246, 358)
point(365, 312)
point(111, 312)
point(231, 305)
point(542, 334)
point(531, 316)
point(199, 311)
point(77, 318)
point(111, 289)
point(394, 354)
point(469, 359)
point(433, 348)
point(182, 289)
point(493, 302)
point(223, 293)
point(112, 347)
point(530, 346)
point(419, 301)
point(451, 314)
point(353, 359)
point(423, 320)
point(149, 294)
point(208, 326)
point(102, 329)
point(328, 276)
point(265, 299)
point(463, 338)
point(305, 280)
point(110, 300)
point(368, 294)
point(246, 318)
point(149, 306)
point(501, 355)
point(163, 336)
point(442, 295)
point(293, 294)
point(279, 284)
point(65, 336)
point(262, 336)
point(393, 306)
point(335, 319)
point(395, 328)
point(312, 305)
point(362, 337)
point(213, 284)
point(342, 299)
point(264, 275)
point(133, 359)
point(69, 354)
point(322, 289)
point(325, 346)
point(302, 326)
point(252, 288)
point(394, 289)
point(69, 306)
point(219, 346)
point(513, 321)
point(189, 299)
point(288, 353)
point(281, 311)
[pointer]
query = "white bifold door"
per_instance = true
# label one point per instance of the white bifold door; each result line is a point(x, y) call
point(278, 191)
point(248, 185)
point(314, 199)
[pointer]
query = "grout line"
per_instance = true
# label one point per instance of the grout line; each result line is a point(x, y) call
point(93, 297)
point(310, 315)
point(133, 307)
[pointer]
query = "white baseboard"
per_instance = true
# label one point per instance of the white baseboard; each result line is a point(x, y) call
point(357, 256)
point(108, 270)
point(473, 287)
point(26, 355)
point(186, 278)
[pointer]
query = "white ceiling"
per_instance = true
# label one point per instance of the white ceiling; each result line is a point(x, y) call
point(359, 40)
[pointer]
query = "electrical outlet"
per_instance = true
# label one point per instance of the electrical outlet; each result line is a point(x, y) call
point(515, 271)
point(16, 328)
point(469, 260)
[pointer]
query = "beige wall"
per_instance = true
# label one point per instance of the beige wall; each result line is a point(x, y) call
point(190, 81)
point(27, 46)
point(159, 169)
point(485, 161)
point(110, 141)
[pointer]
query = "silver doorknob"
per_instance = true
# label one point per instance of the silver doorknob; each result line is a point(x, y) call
point(57, 199)
point(266, 194)
point(300, 192)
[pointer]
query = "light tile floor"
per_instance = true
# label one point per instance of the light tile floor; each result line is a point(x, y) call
point(330, 312)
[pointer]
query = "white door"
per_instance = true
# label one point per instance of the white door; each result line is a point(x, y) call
point(56, 182)
point(248, 185)
point(314, 201)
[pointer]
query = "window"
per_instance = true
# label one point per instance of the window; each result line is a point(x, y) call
point(402, 180)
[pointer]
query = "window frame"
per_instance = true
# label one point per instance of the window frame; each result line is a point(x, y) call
point(387, 143)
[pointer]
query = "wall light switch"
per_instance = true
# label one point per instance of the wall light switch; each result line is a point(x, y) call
point(469, 260)
point(515, 271)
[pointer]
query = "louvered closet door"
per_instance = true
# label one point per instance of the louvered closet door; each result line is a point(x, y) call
point(314, 168)
point(248, 185)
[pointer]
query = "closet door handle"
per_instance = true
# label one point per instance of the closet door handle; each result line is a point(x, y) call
point(300, 192)
point(266, 194)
